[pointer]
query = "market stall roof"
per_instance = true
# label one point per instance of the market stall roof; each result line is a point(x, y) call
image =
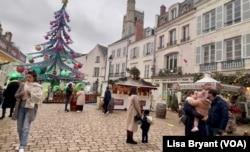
point(208, 83)
point(207, 78)
point(135, 83)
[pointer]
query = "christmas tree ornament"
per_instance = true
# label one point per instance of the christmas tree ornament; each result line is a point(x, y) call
point(38, 47)
point(20, 69)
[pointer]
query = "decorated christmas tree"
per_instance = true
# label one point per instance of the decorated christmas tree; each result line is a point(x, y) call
point(58, 61)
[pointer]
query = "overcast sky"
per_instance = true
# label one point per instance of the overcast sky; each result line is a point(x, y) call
point(92, 21)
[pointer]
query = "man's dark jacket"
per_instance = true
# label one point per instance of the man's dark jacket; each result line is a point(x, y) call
point(218, 114)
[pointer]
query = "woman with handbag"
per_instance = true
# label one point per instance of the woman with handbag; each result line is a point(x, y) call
point(29, 96)
point(133, 113)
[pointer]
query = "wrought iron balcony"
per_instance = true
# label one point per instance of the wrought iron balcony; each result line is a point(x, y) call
point(233, 64)
point(208, 67)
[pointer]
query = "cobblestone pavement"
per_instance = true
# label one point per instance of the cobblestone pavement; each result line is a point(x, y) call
point(57, 131)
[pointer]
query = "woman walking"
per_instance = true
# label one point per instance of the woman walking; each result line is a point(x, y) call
point(133, 110)
point(80, 100)
point(29, 96)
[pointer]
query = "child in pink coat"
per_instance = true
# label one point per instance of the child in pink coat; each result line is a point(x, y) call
point(202, 106)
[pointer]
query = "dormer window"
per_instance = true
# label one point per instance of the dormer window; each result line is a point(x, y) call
point(173, 13)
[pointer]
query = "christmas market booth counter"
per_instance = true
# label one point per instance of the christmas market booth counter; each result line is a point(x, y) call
point(209, 83)
point(121, 89)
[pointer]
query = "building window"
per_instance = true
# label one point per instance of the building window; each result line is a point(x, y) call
point(147, 50)
point(124, 52)
point(111, 71)
point(173, 13)
point(134, 53)
point(185, 33)
point(161, 44)
point(118, 53)
point(123, 70)
point(96, 72)
point(209, 53)
point(233, 12)
point(146, 71)
point(172, 37)
point(117, 69)
point(209, 21)
point(171, 62)
point(97, 59)
point(233, 48)
point(113, 53)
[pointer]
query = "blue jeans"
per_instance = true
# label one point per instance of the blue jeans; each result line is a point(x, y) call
point(23, 126)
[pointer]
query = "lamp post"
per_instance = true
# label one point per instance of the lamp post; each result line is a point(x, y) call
point(110, 60)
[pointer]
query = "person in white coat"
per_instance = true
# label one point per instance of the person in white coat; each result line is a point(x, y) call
point(80, 100)
point(133, 110)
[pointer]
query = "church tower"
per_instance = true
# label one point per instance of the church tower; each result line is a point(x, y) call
point(129, 19)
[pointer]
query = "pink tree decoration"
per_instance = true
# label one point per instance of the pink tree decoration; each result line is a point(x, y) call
point(46, 58)
point(20, 68)
point(59, 48)
point(79, 65)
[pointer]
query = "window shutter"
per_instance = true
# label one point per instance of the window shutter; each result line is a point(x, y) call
point(219, 17)
point(246, 45)
point(246, 9)
point(137, 52)
point(131, 53)
point(151, 47)
point(198, 55)
point(144, 49)
point(199, 25)
point(218, 51)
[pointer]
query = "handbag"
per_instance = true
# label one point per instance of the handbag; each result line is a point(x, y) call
point(137, 118)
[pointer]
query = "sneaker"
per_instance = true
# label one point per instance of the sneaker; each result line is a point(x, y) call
point(107, 112)
point(17, 148)
point(78, 111)
point(195, 129)
point(21, 150)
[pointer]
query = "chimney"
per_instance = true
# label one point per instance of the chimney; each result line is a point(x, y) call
point(138, 30)
point(163, 10)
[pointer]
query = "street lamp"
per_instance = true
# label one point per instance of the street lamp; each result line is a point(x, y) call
point(110, 60)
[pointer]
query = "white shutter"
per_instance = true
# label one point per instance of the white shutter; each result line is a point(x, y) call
point(151, 47)
point(144, 49)
point(246, 46)
point(137, 52)
point(131, 53)
point(246, 9)
point(218, 51)
point(199, 25)
point(198, 55)
point(219, 17)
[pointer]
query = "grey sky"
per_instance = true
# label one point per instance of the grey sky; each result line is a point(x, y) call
point(92, 21)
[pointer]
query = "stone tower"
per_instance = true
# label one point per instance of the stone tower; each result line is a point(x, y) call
point(129, 19)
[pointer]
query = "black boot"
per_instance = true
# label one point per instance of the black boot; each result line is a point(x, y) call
point(3, 113)
point(130, 138)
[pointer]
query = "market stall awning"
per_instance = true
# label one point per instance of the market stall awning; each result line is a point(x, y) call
point(209, 83)
point(134, 83)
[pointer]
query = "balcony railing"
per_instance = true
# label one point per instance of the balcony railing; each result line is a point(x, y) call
point(233, 64)
point(174, 71)
point(122, 74)
point(208, 67)
point(184, 39)
point(172, 43)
